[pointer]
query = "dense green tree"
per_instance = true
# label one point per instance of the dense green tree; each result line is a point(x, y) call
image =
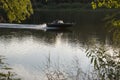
point(106, 3)
point(16, 10)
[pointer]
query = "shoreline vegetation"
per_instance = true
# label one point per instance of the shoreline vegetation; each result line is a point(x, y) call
point(67, 6)
point(63, 6)
point(75, 6)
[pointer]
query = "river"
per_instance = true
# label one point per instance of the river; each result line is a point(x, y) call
point(56, 54)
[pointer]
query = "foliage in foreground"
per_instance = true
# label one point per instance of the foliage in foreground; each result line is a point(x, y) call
point(16, 10)
point(5, 71)
point(106, 63)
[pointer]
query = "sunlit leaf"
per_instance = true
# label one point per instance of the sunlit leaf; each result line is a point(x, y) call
point(16, 10)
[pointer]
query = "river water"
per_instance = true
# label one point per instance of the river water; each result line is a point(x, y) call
point(55, 54)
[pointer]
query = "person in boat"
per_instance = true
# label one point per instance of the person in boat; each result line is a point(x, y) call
point(58, 22)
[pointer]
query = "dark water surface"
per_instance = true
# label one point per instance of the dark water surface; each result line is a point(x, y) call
point(56, 54)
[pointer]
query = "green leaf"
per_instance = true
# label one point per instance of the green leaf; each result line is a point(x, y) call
point(17, 10)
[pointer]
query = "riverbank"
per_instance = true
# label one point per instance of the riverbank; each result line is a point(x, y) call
point(63, 6)
point(67, 6)
point(70, 15)
point(76, 10)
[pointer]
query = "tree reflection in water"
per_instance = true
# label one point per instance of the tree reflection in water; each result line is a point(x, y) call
point(6, 72)
point(109, 65)
point(113, 28)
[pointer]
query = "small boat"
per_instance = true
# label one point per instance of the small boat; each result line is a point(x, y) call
point(59, 24)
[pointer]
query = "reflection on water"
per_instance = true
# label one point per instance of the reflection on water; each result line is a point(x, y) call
point(27, 50)
point(49, 55)
point(83, 52)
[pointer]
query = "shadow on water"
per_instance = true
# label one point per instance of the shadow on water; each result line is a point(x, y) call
point(59, 30)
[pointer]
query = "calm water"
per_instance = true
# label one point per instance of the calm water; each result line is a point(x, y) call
point(38, 55)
